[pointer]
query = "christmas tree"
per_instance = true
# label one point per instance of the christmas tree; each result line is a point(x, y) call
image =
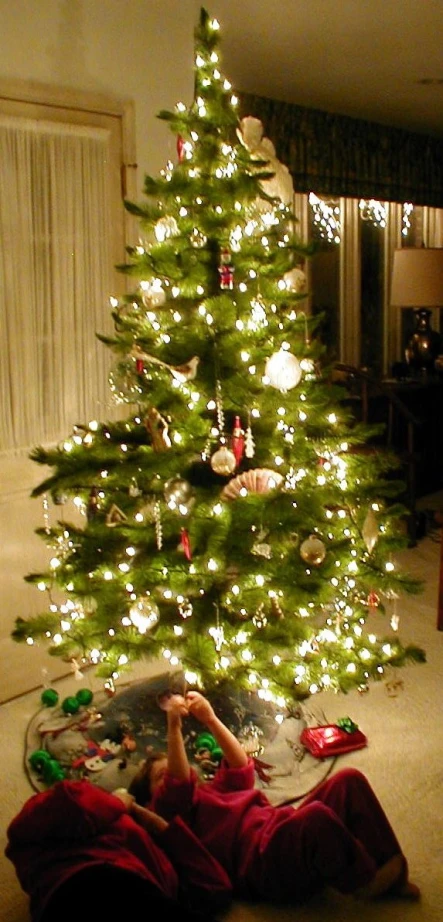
point(239, 524)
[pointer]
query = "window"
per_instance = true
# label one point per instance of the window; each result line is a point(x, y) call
point(350, 274)
point(62, 230)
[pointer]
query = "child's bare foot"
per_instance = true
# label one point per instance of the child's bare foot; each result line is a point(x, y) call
point(385, 879)
point(391, 880)
point(406, 891)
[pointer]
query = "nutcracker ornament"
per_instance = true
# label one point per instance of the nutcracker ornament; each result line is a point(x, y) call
point(238, 440)
point(226, 270)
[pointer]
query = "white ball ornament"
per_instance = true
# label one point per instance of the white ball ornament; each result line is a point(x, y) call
point(144, 614)
point(283, 370)
point(313, 551)
point(223, 461)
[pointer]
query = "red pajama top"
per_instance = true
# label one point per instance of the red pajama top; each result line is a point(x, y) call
point(75, 824)
point(230, 816)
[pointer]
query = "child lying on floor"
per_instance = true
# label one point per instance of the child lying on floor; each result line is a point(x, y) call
point(339, 836)
point(81, 852)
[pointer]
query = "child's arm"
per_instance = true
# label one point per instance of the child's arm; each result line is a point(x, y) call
point(200, 708)
point(178, 764)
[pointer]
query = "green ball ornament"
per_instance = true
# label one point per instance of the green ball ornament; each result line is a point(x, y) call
point(38, 759)
point(84, 696)
point(49, 697)
point(217, 754)
point(70, 705)
point(52, 772)
point(205, 741)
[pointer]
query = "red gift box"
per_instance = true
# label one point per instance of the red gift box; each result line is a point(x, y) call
point(331, 740)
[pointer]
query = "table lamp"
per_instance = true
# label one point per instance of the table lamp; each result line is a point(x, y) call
point(417, 281)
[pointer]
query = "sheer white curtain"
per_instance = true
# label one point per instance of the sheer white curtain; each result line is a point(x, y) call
point(55, 280)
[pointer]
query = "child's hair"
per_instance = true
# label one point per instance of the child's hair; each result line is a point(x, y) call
point(140, 786)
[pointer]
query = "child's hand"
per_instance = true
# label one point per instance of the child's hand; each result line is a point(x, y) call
point(127, 799)
point(176, 708)
point(176, 703)
point(150, 821)
point(199, 707)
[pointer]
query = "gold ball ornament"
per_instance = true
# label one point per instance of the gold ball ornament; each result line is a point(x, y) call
point(313, 551)
point(283, 370)
point(223, 461)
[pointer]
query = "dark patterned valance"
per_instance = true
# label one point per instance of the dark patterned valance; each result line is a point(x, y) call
point(337, 155)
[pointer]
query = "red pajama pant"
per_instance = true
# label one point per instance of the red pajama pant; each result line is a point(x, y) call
point(338, 837)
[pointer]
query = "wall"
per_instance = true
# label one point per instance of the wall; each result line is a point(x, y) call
point(141, 49)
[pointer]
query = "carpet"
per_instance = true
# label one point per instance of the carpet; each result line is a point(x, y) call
point(105, 738)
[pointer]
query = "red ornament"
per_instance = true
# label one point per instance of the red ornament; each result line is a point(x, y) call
point(185, 543)
point(180, 148)
point(238, 440)
point(225, 270)
point(139, 366)
point(373, 600)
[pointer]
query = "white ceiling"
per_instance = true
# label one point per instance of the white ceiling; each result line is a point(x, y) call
point(363, 58)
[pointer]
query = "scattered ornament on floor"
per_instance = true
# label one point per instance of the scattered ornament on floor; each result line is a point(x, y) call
point(49, 697)
point(70, 705)
point(52, 772)
point(345, 723)
point(313, 551)
point(84, 696)
point(208, 754)
point(78, 675)
point(331, 740)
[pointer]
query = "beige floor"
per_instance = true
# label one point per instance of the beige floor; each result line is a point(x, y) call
point(403, 761)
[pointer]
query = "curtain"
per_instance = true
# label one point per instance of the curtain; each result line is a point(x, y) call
point(55, 279)
point(335, 155)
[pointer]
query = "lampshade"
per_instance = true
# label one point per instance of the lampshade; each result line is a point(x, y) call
point(417, 277)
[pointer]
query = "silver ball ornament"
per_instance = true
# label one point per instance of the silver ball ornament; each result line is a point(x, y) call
point(178, 491)
point(223, 461)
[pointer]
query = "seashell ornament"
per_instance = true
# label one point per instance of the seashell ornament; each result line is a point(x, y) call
point(257, 480)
